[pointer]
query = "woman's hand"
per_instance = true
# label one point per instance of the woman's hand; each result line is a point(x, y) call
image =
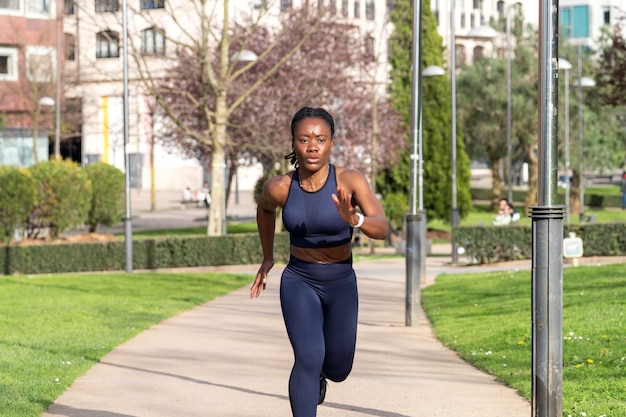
point(260, 282)
point(343, 202)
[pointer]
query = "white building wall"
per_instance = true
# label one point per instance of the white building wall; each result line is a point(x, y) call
point(99, 82)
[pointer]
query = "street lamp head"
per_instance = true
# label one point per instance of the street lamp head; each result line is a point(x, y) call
point(46, 101)
point(244, 55)
point(483, 32)
point(585, 82)
point(433, 71)
point(564, 64)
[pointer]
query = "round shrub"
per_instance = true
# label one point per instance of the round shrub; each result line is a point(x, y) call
point(107, 195)
point(63, 198)
point(17, 198)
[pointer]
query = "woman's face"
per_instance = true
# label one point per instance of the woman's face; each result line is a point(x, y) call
point(312, 143)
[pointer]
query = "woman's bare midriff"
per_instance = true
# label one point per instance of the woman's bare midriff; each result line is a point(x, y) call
point(322, 255)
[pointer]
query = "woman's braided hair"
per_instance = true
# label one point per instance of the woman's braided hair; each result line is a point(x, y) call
point(303, 113)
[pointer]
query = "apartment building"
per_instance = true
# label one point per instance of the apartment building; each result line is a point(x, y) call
point(580, 21)
point(93, 30)
point(28, 68)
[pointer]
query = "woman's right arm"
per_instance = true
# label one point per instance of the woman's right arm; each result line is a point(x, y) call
point(266, 224)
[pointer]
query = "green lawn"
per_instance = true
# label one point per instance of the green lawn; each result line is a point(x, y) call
point(53, 328)
point(482, 214)
point(486, 318)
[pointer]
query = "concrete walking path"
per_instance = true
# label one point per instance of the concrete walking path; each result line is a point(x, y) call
point(231, 358)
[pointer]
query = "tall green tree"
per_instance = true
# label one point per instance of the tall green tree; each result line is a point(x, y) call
point(393, 183)
point(483, 101)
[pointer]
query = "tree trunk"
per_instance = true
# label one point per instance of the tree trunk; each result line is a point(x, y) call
point(374, 163)
point(496, 181)
point(217, 212)
point(574, 195)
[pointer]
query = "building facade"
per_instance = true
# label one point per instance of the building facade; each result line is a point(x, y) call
point(93, 30)
point(28, 68)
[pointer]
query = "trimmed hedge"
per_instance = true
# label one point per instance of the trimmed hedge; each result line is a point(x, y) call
point(490, 244)
point(171, 252)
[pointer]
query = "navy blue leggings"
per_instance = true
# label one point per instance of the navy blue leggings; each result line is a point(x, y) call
point(320, 307)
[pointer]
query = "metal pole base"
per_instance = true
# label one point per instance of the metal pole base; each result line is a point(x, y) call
point(454, 216)
point(547, 310)
point(415, 265)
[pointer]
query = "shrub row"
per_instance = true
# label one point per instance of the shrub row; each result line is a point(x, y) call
point(171, 252)
point(489, 244)
point(519, 196)
point(52, 197)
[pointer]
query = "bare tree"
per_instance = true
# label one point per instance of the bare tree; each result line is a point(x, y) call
point(201, 107)
point(227, 108)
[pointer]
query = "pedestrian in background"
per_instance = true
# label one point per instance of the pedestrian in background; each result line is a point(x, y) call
point(623, 189)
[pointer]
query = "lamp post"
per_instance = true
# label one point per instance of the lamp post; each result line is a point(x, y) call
point(414, 261)
point(509, 96)
point(454, 210)
point(57, 117)
point(128, 229)
point(566, 66)
point(509, 110)
point(580, 83)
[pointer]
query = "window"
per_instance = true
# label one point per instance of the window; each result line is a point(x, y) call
point(107, 6)
point(459, 55)
point(157, 4)
point(259, 4)
point(40, 63)
point(463, 20)
point(357, 9)
point(153, 41)
point(478, 53)
point(70, 46)
point(344, 8)
point(575, 22)
point(107, 44)
point(10, 4)
point(606, 15)
point(472, 20)
point(285, 5)
point(69, 7)
point(38, 6)
point(320, 6)
point(369, 9)
point(370, 53)
point(8, 64)
point(478, 4)
point(500, 8)
point(390, 5)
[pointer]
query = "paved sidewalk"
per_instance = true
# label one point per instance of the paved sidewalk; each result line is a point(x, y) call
point(231, 358)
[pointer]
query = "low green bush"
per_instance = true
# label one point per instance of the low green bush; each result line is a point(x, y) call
point(158, 253)
point(63, 198)
point(489, 244)
point(17, 198)
point(107, 195)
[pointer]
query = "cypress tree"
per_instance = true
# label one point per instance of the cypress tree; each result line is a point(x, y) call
point(436, 104)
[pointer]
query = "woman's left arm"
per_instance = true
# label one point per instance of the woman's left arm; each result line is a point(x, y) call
point(354, 198)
